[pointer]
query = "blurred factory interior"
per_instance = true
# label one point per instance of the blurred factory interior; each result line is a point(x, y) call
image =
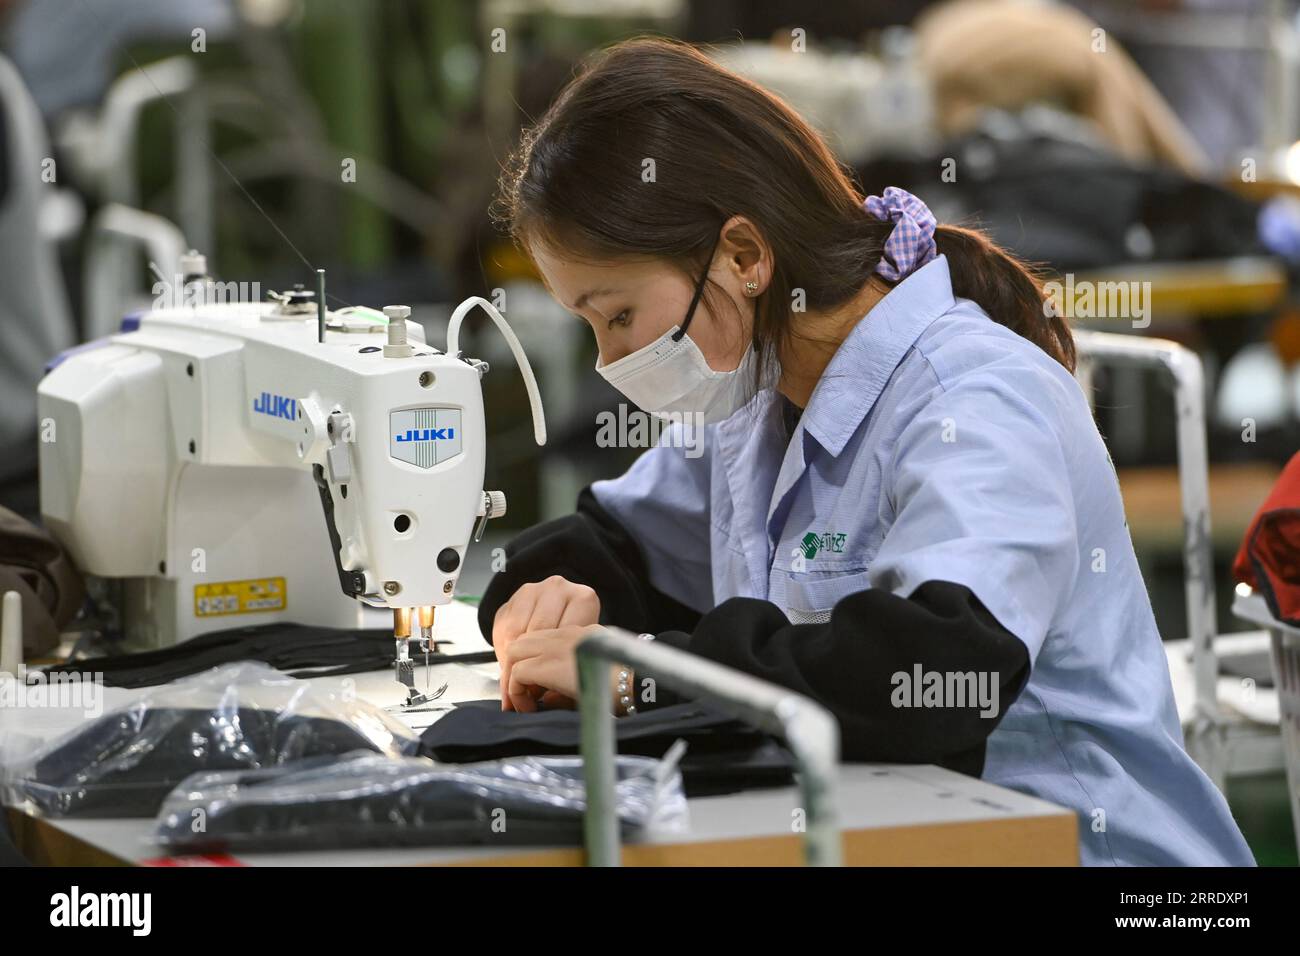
point(366, 138)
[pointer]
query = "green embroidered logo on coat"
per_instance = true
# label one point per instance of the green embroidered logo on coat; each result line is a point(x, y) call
point(813, 544)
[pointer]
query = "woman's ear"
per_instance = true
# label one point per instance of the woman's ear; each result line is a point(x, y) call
point(745, 257)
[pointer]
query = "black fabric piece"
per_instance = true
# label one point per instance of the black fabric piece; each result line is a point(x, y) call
point(473, 657)
point(847, 665)
point(301, 650)
point(125, 763)
point(723, 755)
point(350, 810)
point(589, 547)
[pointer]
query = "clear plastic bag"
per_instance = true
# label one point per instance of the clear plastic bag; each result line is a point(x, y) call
point(371, 801)
point(241, 716)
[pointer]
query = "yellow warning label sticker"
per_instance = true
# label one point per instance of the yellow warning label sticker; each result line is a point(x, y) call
point(239, 597)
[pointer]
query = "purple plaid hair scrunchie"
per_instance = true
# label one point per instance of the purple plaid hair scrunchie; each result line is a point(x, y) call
point(911, 244)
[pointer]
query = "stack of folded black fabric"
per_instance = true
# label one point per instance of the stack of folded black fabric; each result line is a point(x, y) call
point(723, 755)
point(125, 763)
point(365, 800)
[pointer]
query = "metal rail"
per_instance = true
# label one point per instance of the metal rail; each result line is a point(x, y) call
point(808, 728)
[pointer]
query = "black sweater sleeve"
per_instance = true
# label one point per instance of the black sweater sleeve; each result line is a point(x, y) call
point(869, 665)
point(589, 547)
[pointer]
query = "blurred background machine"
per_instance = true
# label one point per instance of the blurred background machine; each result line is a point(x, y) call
point(1145, 153)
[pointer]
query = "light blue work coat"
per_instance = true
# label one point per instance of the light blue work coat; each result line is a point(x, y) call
point(939, 445)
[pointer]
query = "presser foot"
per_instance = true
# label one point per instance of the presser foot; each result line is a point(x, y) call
point(415, 699)
point(404, 670)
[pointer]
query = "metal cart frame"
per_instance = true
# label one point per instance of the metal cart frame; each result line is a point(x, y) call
point(1221, 743)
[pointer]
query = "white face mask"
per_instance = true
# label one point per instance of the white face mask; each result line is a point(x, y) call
point(670, 377)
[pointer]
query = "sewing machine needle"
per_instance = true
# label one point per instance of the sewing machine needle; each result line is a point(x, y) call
point(426, 632)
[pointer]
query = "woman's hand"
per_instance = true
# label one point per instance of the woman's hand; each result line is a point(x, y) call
point(540, 608)
point(544, 661)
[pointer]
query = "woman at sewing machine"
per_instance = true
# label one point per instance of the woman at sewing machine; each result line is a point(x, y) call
point(900, 480)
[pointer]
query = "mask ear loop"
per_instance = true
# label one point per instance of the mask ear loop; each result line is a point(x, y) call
point(699, 291)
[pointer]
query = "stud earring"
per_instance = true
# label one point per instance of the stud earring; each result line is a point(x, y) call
point(751, 288)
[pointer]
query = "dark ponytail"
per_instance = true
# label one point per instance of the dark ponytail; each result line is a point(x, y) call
point(721, 147)
point(1005, 288)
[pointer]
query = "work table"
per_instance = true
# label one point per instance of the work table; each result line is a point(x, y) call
point(889, 814)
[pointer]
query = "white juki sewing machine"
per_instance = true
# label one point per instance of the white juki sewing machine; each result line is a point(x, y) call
point(231, 464)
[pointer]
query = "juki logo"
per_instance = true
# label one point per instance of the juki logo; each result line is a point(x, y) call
point(427, 434)
point(277, 406)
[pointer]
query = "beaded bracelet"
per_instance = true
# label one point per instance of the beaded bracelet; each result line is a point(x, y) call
point(625, 684)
